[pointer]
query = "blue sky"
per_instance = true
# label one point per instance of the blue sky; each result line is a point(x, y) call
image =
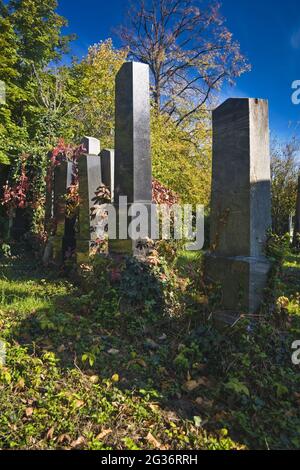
point(268, 31)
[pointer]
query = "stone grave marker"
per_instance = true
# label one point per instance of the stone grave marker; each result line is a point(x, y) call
point(240, 204)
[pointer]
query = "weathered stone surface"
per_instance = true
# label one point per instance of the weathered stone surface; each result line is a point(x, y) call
point(89, 175)
point(108, 169)
point(241, 202)
point(133, 172)
point(91, 145)
point(62, 238)
point(242, 280)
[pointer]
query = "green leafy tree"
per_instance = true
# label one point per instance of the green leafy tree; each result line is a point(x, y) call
point(11, 135)
point(30, 39)
point(38, 27)
point(284, 167)
point(94, 86)
point(182, 162)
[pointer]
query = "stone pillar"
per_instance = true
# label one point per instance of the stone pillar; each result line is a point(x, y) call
point(89, 177)
point(240, 203)
point(133, 172)
point(108, 170)
point(62, 181)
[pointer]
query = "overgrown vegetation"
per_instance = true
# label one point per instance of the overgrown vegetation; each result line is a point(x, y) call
point(129, 357)
point(124, 353)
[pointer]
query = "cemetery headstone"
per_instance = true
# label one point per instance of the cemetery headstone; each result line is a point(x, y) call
point(64, 237)
point(89, 176)
point(108, 169)
point(133, 172)
point(240, 204)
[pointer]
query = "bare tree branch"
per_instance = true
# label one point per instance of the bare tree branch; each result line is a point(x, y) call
point(188, 49)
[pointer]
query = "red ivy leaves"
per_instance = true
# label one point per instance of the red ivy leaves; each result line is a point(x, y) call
point(163, 195)
point(64, 152)
point(14, 197)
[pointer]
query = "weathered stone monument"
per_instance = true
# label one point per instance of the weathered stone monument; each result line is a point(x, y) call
point(62, 238)
point(108, 169)
point(133, 173)
point(240, 204)
point(89, 177)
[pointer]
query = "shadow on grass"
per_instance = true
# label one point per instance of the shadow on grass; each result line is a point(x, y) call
point(187, 366)
point(103, 334)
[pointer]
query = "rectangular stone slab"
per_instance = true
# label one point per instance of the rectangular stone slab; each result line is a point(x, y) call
point(62, 180)
point(242, 281)
point(240, 202)
point(133, 174)
point(241, 197)
point(89, 174)
point(108, 169)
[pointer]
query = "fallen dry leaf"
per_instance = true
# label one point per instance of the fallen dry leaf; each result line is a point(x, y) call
point(94, 379)
point(103, 434)
point(191, 385)
point(79, 404)
point(154, 407)
point(50, 433)
point(80, 442)
point(20, 384)
point(64, 438)
point(29, 412)
point(154, 442)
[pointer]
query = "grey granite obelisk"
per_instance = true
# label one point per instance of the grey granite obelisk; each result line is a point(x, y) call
point(240, 203)
point(133, 172)
point(89, 177)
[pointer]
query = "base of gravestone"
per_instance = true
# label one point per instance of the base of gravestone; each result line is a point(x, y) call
point(242, 281)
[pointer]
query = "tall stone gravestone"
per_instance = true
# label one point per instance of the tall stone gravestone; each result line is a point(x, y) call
point(56, 207)
point(89, 176)
point(133, 173)
point(108, 170)
point(240, 203)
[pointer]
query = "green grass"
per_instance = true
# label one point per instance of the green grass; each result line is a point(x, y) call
point(83, 370)
point(52, 397)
